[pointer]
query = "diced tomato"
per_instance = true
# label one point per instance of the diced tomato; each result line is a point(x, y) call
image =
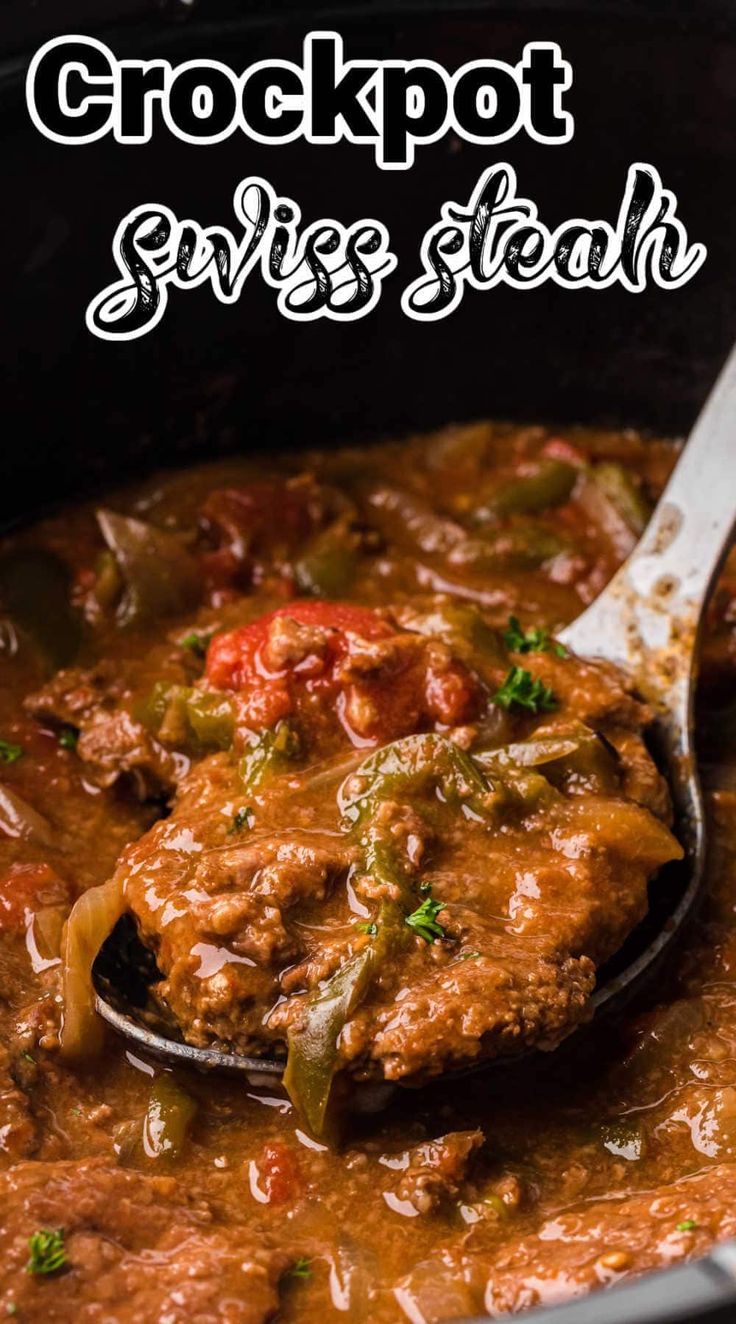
point(28, 887)
point(279, 1173)
point(235, 660)
point(310, 665)
point(265, 704)
point(449, 694)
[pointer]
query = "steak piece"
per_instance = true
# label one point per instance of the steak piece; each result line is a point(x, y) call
point(18, 1131)
point(437, 1169)
point(220, 903)
point(249, 911)
point(77, 694)
point(138, 1248)
point(606, 1241)
point(471, 908)
point(112, 743)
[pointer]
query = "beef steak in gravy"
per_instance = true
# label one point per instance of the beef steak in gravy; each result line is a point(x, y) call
point(319, 742)
point(474, 887)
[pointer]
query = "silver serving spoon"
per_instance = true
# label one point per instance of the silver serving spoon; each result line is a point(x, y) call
point(647, 622)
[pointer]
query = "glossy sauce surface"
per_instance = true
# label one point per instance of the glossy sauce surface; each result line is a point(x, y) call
point(494, 1193)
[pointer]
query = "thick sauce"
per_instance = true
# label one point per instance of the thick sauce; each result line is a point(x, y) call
point(151, 1198)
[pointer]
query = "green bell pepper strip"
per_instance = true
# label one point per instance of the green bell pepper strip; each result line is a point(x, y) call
point(415, 764)
point(576, 748)
point(328, 566)
point(19, 819)
point(313, 1047)
point(188, 718)
point(548, 486)
point(169, 1116)
point(272, 753)
point(619, 487)
point(523, 546)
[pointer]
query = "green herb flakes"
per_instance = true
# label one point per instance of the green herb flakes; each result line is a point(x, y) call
point(523, 690)
point(240, 820)
point(196, 643)
point(301, 1268)
point(10, 753)
point(687, 1225)
point(534, 640)
point(424, 921)
point(47, 1251)
point(68, 738)
point(367, 926)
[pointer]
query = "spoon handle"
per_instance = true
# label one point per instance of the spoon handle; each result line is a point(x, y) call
point(647, 622)
point(648, 617)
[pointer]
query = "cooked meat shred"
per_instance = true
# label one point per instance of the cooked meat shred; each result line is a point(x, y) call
point(436, 1169)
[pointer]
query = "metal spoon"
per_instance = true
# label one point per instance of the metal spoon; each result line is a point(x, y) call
point(647, 622)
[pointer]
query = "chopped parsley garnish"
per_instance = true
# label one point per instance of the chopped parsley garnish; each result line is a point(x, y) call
point(467, 956)
point(9, 753)
point(687, 1225)
point(367, 926)
point(240, 820)
point(47, 1251)
point(68, 738)
point(521, 688)
point(534, 640)
point(301, 1268)
point(196, 643)
point(11, 1308)
point(423, 920)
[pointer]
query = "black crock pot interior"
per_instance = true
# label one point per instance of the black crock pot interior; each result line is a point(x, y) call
point(648, 85)
point(652, 81)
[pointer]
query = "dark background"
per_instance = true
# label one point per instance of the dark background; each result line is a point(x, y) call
point(652, 82)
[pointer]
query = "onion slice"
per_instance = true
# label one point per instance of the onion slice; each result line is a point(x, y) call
point(18, 818)
point(91, 921)
point(160, 576)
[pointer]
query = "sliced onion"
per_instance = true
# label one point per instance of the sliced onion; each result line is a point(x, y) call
point(91, 921)
point(19, 819)
point(160, 576)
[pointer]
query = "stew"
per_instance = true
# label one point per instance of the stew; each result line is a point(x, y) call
point(299, 733)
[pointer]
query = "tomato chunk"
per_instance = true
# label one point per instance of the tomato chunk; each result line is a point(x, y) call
point(28, 887)
point(317, 658)
point(280, 1176)
point(236, 659)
